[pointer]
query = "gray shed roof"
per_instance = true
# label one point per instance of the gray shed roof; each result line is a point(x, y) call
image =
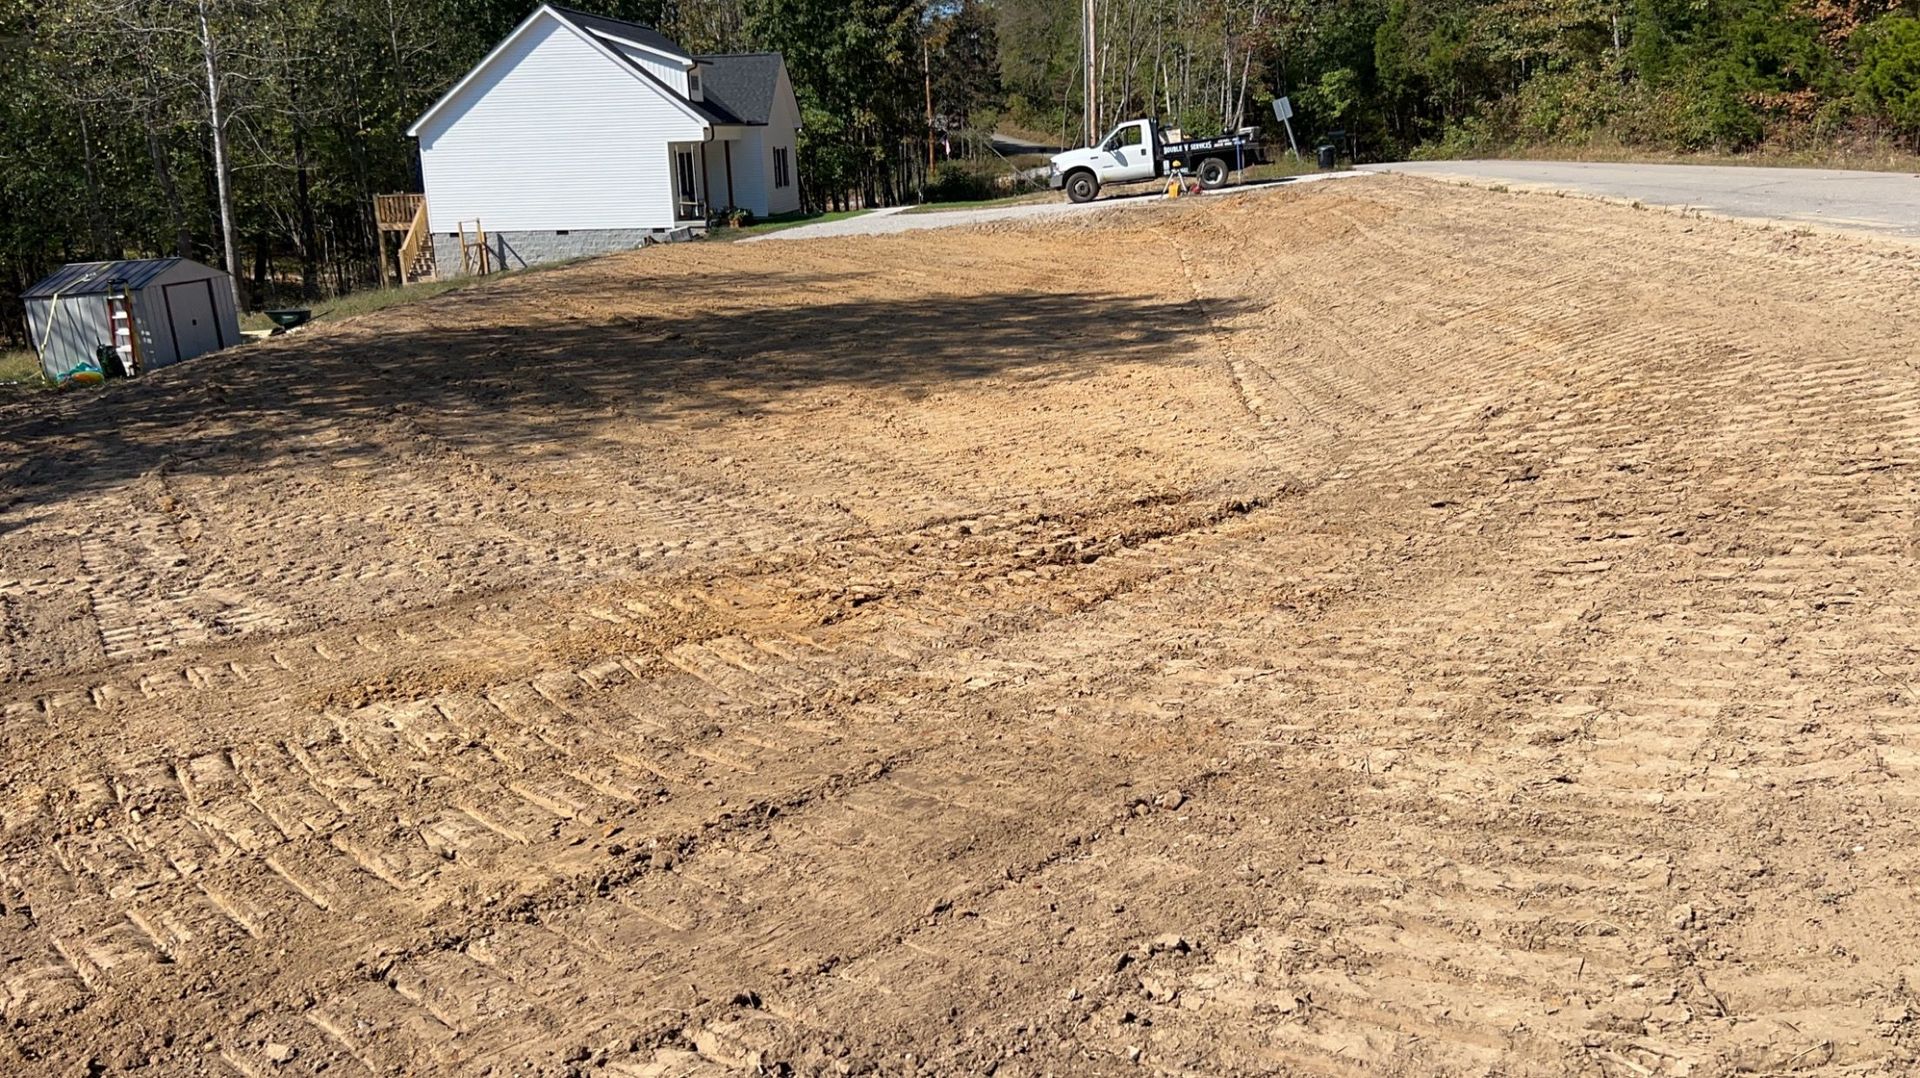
point(95, 278)
point(741, 83)
point(632, 31)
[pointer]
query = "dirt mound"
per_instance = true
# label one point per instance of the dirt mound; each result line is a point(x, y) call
point(1375, 628)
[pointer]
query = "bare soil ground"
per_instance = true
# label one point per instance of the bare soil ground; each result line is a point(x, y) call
point(1380, 628)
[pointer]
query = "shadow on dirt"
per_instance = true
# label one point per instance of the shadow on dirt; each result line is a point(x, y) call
point(553, 378)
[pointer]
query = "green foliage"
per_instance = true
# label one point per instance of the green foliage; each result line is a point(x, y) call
point(105, 126)
point(1336, 95)
point(1729, 67)
point(973, 181)
point(1889, 72)
point(965, 70)
point(853, 64)
point(1565, 106)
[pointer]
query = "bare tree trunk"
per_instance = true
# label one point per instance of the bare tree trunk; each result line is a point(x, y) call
point(926, 75)
point(217, 121)
point(96, 236)
point(163, 175)
point(263, 266)
point(1100, 70)
point(1226, 65)
point(1090, 97)
point(303, 193)
point(163, 172)
point(1246, 66)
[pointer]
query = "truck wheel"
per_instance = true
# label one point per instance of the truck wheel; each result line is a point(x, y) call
point(1213, 173)
point(1081, 187)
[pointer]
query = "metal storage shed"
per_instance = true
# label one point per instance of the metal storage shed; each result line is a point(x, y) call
point(153, 311)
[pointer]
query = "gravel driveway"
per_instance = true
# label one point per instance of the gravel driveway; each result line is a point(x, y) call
point(894, 219)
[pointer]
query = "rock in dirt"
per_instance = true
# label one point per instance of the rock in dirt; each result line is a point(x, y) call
point(1169, 943)
point(281, 1053)
point(1158, 990)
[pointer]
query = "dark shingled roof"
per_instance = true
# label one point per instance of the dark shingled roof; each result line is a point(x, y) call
point(741, 83)
point(631, 31)
point(95, 278)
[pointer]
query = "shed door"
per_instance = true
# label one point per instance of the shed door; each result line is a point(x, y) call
point(196, 329)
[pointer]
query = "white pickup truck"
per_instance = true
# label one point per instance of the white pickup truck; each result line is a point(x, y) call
point(1139, 150)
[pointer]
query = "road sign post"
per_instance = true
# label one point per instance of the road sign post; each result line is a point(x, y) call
point(1283, 111)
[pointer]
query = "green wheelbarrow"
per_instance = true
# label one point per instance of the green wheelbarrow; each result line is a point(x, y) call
point(287, 318)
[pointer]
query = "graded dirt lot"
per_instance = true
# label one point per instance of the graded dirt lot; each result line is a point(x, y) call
point(1378, 628)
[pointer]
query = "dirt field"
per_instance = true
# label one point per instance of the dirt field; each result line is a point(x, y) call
point(1373, 628)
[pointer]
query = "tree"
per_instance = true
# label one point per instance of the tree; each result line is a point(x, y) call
point(965, 64)
point(256, 133)
point(1889, 72)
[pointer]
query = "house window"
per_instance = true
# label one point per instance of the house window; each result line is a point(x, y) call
point(782, 167)
point(693, 84)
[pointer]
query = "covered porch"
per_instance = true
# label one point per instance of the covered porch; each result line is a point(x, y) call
point(703, 175)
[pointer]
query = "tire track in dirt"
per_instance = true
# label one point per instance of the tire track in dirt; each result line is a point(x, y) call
point(1015, 710)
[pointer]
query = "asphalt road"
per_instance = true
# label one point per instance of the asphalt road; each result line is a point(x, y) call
point(1883, 203)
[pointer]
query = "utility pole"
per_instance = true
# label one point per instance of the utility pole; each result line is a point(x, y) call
point(1087, 15)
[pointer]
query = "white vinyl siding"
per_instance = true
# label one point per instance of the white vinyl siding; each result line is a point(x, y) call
point(717, 153)
point(752, 171)
point(671, 72)
point(781, 127)
point(555, 135)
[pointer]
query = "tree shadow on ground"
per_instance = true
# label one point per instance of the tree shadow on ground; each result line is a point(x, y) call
point(550, 377)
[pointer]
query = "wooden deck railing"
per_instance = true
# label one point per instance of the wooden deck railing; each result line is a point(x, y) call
point(417, 236)
point(397, 211)
point(406, 213)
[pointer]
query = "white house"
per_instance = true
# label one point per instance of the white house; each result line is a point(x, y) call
point(580, 133)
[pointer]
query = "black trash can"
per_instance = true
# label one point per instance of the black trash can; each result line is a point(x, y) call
point(1326, 155)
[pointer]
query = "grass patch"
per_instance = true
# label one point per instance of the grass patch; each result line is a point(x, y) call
point(20, 370)
point(985, 203)
point(1020, 133)
point(367, 301)
point(780, 221)
point(1280, 166)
